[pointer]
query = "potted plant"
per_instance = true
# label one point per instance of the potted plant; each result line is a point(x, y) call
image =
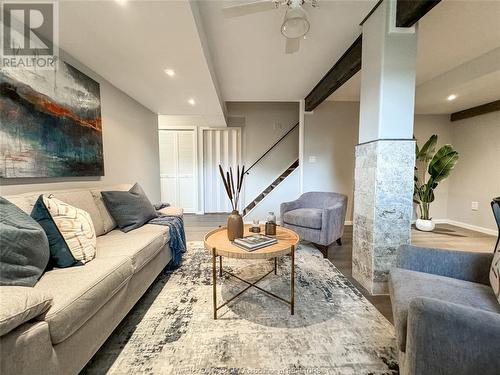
point(233, 191)
point(431, 168)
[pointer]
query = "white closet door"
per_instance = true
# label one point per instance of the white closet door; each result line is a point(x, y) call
point(220, 146)
point(186, 170)
point(178, 168)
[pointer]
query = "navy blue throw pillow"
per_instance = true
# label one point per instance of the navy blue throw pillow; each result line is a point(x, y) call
point(130, 209)
point(60, 255)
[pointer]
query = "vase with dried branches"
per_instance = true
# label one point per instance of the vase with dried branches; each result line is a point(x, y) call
point(233, 190)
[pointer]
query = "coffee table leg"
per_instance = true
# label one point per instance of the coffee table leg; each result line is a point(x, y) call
point(214, 281)
point(292, 276)
point(220, 265)
point(275, 265)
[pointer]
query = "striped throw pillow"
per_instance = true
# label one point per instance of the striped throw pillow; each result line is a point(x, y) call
point(71, 233)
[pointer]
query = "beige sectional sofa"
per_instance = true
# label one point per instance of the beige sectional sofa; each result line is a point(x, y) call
point(81, 306)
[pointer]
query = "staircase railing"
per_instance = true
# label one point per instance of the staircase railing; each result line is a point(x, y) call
point(272, 147)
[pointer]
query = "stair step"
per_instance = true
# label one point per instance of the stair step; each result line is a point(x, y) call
point(271, 187)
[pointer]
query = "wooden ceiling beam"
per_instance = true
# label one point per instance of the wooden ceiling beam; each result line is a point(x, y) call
point(347, 66)
point(476, 111)
point(407, 13)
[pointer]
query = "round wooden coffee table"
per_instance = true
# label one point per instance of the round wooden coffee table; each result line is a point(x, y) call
point(217, 242)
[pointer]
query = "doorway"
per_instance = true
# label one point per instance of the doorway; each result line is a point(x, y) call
point(220, 146)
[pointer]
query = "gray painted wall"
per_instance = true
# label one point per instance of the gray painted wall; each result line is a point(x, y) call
point(477, 174)
point(330, 134)
point(262, 125)
point(130, 141)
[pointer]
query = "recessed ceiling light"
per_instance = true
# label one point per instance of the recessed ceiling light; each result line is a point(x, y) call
point(121, 2)
point(191, 101)
point(451, 97)
point(169, 72)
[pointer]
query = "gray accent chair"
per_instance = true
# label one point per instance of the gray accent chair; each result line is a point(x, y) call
point(446, 315)
point(317, 217)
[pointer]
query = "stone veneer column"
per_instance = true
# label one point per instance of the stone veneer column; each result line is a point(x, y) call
point(385, 156)
point(383, 208)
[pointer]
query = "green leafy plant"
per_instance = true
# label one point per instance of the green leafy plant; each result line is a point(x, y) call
point(431, 168)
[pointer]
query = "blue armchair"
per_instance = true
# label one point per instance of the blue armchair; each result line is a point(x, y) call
point(446, 315)
point(317, 217)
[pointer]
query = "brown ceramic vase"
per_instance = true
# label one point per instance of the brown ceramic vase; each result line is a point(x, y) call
point(234, 226)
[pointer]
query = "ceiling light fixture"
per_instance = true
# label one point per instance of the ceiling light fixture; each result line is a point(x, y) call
point(169, 72)
point(296, 22)
point(451, 97)
point(121, 2)
point(191, 101)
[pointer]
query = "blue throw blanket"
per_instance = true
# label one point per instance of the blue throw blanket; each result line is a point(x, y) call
point(177, 240)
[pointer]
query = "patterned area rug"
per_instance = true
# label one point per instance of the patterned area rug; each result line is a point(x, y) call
point(171, 330)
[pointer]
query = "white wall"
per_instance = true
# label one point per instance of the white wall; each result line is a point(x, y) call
point(477, 174)
point(262, 125)
point(287, 191)
point(130, 142)
point(331, 133)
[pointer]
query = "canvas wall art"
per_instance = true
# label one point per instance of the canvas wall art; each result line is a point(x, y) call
point(50, 124)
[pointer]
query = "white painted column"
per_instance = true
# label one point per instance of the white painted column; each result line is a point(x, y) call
point(385, 155)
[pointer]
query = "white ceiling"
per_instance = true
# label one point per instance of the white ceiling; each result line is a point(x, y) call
point(218, 59)
point(249, 51)
point(458, 53)
point(131, 43)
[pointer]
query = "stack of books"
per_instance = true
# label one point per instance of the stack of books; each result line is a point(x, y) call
point(254, 242)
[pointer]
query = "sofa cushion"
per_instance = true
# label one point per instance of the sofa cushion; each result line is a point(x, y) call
point(406, 285)
point(141, 245)
point(19, 304)
point(304, 217)
point(24, 248)
point(79, 198)
point(495, 275)
point(79, 292)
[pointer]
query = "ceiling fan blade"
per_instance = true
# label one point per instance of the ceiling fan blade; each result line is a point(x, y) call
point(292, 45)
point(249, 8)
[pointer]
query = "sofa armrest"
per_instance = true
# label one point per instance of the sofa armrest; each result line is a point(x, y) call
point(446, 338)
point(463, 265)
point(333, 219)
point(172, 211)
point(20, 304)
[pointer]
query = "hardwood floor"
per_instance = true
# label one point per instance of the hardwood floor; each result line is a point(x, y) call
point(447, 236)
point(444, 236)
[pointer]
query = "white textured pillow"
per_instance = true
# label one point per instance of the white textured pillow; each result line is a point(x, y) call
point(75, 226)
point(495, 275)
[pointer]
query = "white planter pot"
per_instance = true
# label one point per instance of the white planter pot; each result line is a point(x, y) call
point(425, 225)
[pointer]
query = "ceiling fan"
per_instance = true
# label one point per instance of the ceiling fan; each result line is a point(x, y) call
point(295, 24)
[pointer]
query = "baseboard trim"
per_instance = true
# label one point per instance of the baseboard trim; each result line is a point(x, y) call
point(460, 224)
point(476, 228)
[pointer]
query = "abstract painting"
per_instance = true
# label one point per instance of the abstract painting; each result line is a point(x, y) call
point(50, 123)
